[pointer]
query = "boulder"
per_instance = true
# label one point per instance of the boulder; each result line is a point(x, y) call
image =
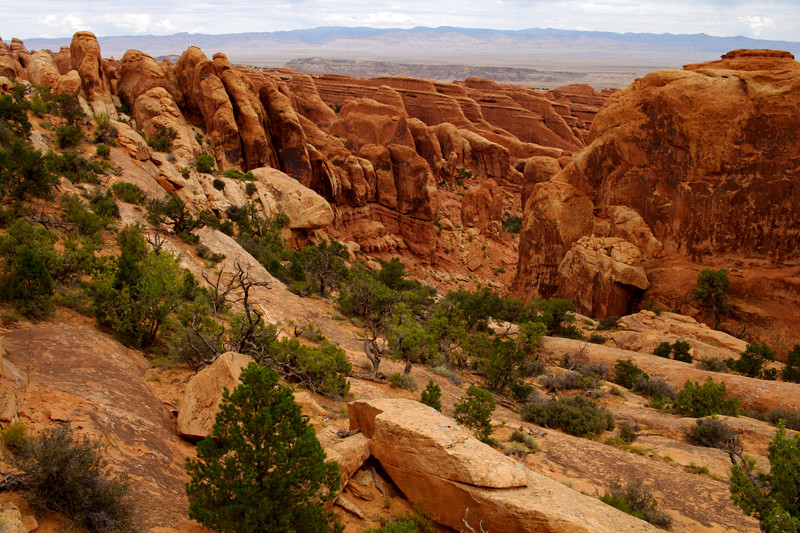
point(69, 83)
point(11, 518)
point(600, 274)
point(453, 477)
point(629, 225)
point(200, 404)
point(42, 70)
point(130, 140)
point(280, 193)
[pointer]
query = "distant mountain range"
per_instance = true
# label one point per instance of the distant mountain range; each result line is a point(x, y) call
point(592, 54)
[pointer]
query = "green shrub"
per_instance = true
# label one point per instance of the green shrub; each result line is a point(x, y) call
point(710, 432)
point(791, 372)
point(162, 140)
point(432, 396)
point(511, 223)
point(770, 497)
point(74, 167)
point(218, 184)
point(250, 188)
point(575, 415)
point(262, 468)
point(663, 350)
point(636, 501)
point(626, 373)
point(239, 175)
point(103, 151)
point(84, 219)
point(30, 285)
point(525, 439)
point(323, 369)
point(752, 361)
point(627, 432)
point(712, 364)
point(16, 439)
point(680, 351)
point(129, 192)
point(68, 136)
point(398, 380)
point(705, 400)
point(205, 163)
point(475, 411)
point(69, 476)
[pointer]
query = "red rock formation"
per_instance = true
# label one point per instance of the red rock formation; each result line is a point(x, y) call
point(702, 163)
point(482, 206)
point(206, 97)
point(86, 59)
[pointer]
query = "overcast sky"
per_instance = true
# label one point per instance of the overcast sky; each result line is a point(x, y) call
point(766, 19)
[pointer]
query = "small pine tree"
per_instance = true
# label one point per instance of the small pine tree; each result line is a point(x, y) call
point(773, 498)
point(712, 292)
point(475, 412)
point(752, 361)
point(262, 468)
point(792, 370)
point(31, 285)
point(432, 396)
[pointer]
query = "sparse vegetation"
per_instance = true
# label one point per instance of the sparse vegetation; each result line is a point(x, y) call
point(129, 192)
point(704, 400)
point(68, 475)
point(637, 501)
point(626, 373)
point(162, 140)
point(576, 415)
point(710, 432)
point(711, 292)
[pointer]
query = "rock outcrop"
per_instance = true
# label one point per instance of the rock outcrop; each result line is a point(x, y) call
point(281, 194)
point(86, 60)
point(698, 165)
point(446, 471)
point(203, 394)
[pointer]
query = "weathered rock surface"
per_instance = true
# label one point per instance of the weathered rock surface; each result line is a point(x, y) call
point(97, 385)
point(11, 518)
point(280, 193)
point(482, 205)
point(200, 405)
point(754, 393)
point(446, 471)
point(684, 164)
point(86, 59)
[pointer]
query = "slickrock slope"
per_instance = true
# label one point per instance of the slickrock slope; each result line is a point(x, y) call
point(83, 377)
point(706, 157)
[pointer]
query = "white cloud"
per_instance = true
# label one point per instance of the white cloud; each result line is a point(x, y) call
point(67, 23)
point(757, 24)
point(141, 23)
point(379, 19)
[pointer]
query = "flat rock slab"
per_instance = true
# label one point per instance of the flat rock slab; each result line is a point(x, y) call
point(422, 439)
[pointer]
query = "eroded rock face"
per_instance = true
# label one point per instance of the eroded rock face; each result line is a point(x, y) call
point(556, 215)
point(42, 70)
point(482, 205)
point(84, 377)
point(281, 194)
point(86, 59)
point(705, 155)
point(200, 405)
point(693, 165)
point(600, 274)
point(445, 470)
